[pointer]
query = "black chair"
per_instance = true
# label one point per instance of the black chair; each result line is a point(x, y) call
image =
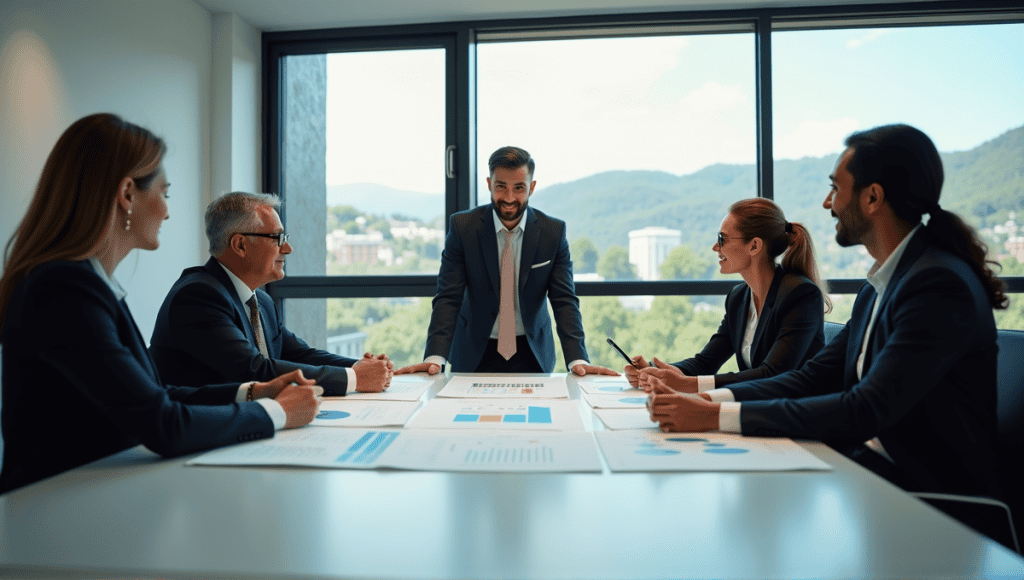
point(831, 330)
point(999, 518)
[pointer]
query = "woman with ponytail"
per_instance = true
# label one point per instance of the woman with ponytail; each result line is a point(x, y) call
point(773, 323)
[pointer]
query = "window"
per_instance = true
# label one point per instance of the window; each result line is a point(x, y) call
point(645, 128)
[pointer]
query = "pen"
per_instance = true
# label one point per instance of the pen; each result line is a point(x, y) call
point(623, 353)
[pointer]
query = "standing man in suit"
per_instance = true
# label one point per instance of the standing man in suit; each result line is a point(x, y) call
point(908, 387)
point(501, 265)
point(217, 325)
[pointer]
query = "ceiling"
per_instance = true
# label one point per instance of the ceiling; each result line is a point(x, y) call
point(273, 15)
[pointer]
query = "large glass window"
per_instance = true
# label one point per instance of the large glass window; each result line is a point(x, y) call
point(962, 85)
point(641, 143)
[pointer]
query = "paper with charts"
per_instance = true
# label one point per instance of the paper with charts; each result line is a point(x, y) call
point(402, 388)
point(624, 401)
point(656, 451)
point(505, 387)
point(605, 385)
point(498, 415)
point(337, 412)
point(415, 450)
point(626, 418)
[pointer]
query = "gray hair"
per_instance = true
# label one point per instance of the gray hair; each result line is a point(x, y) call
point(232, 213)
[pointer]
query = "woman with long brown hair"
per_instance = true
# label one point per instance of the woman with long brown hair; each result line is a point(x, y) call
point(773, 323)
point(78, 383)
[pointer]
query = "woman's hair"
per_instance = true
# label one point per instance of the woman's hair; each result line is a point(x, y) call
point(905, 162)
point(762, 218)
point(71, 208)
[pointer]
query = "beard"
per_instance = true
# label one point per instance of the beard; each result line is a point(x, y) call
point(852, 227)
point(509, 213)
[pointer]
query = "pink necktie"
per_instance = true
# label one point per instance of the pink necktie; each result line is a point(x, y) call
point(507, 301)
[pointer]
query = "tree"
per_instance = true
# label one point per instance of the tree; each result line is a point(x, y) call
point(584, 256)
point(682, 263)
point(615, 265)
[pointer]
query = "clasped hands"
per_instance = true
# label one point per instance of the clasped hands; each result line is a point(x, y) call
point(373, 373)
point(672, 399)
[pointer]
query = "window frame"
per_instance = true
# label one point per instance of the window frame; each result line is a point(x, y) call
point(460, 40)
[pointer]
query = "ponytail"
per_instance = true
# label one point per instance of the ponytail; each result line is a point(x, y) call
point(948, 231)
point(799, 258)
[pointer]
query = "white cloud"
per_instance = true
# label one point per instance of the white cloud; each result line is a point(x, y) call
point(870, 37)
point(814, 138)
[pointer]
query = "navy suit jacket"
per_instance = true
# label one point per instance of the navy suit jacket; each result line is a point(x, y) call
point(78, 384)
point(466, 304)
point(203, 335)
point(928, 389)
point(790, 330)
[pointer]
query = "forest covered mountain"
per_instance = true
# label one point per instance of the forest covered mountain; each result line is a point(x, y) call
point(982, 184)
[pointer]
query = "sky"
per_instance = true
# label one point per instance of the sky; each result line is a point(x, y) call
point(671, 103)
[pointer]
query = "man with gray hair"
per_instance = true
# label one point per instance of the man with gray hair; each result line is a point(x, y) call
point(217, 325)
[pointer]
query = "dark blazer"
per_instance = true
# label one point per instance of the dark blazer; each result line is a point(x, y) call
point(203, 335)
point(79, 385)
point(928, 390)
point(790, 330)
point(466, 304)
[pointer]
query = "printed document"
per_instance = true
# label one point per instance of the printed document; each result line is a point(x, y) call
point(657, 451)
point(337, 412)
point(505, 387)
point(415, 450)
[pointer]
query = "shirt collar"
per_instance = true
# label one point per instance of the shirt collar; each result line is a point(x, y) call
point(880, 274)
point(498, 226)
point(116, 288)
point(241, 288)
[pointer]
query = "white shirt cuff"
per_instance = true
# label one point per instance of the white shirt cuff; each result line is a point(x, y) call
point(721, 395)
point(729, 417)
point(351, 380)
point(705, 383)
point(243, 390)
point(276, 412)
point(436, 359)
point(577, 362)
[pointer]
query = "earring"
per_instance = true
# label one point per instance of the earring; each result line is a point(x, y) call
point(128, 221)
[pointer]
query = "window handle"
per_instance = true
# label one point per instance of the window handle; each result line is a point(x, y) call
point(449, 161)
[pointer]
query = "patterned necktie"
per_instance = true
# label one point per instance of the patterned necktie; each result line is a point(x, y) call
point(507, 301)
point(257, 328)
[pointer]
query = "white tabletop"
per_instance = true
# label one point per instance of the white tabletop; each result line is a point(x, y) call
point(136, 514)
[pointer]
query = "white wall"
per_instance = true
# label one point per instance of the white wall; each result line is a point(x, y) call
point(154, 63)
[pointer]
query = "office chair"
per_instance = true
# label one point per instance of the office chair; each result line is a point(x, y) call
point(1009, 450)
point(831, 330)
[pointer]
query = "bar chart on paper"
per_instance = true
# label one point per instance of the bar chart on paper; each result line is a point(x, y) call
point(498, 414)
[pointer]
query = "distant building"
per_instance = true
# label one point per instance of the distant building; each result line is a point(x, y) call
point(355, 248)
point(350, 345)
point(649, 247)
point(588, 277)
point(1015, 247)
point(410, 230)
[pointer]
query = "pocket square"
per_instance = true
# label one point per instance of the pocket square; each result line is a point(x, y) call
point(541, 264)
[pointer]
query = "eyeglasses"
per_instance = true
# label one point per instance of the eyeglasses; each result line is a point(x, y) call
point(722, 238)
point(281, 237)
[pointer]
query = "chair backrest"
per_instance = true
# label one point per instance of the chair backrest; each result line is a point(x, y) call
point(831, 330)
point(1010, 387)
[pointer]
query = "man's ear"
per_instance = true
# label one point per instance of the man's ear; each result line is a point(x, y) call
point(238, 245)
point(871, 199)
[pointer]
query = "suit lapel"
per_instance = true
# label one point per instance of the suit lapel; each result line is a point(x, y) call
point(214, 268)
point(858, 325)
point(488, 243)
point(141, 352)
point(766, 311)
point(531, 240)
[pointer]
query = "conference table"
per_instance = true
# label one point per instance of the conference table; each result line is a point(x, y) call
point(136, 515)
